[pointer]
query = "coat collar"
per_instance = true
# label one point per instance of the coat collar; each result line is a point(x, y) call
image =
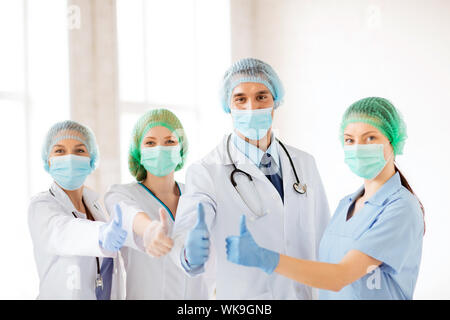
point(90, 198)
point(220, 156)
point(254, 153)
point(239, 159)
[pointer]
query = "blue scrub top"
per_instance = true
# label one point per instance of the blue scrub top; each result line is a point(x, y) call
point(389, 227)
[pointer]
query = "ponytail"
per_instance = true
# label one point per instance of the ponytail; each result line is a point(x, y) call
point(407, 186)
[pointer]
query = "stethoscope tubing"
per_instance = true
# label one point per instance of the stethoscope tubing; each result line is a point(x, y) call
point(298, 187)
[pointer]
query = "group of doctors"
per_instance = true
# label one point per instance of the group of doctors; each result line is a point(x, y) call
point(251, 222)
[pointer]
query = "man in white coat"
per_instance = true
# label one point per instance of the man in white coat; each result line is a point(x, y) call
point(251, 172)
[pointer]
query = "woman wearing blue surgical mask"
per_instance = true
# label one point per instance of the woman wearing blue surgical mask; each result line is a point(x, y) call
point(158, 148)
point(75, 246)
point(372, 247)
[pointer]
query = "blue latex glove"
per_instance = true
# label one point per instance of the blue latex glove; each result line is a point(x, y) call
point(243, 250)
point(112, 236)
point(197, 242)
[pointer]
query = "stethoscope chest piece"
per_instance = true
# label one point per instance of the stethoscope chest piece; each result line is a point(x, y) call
point(300, 189)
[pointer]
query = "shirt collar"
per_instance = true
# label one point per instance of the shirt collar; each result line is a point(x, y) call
point(388, 188)
point(254, 153)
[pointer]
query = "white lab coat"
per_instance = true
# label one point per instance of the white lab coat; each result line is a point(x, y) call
point(149, 277)
point(293, 229)
point(65, 247)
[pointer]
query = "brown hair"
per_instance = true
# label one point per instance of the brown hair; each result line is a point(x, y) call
point(407, 186)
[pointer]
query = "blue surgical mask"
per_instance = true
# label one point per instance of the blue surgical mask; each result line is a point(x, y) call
point(161, 160)
point(70, 171)
point(253, 124)
point(365, 160)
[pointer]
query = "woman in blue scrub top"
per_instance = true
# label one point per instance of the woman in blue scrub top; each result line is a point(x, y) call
point(373, 245)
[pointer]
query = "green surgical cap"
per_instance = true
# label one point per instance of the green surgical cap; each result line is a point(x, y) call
point(154, 118)
point(381, 114)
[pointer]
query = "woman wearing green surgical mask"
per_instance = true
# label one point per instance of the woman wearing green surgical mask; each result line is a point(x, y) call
point(372, 247)
point(158, 148)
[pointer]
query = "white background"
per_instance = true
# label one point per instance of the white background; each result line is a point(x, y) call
point(331, 54)
point(327, 53)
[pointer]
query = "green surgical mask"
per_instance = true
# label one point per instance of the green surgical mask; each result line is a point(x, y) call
point(161, 160)
point(365, 160)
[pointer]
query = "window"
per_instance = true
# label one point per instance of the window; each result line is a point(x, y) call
point(172, 54)
point(34, 93)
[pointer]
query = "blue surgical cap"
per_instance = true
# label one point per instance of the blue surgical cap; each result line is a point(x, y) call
point(250, 70)
point(70, 130)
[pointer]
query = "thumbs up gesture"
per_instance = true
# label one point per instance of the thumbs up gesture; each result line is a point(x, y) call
point(112, 236)
point(156, 240)
point(197, 242)
point(243, 250)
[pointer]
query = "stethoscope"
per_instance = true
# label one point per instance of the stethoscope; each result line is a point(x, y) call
point(98, 278)
point(298, 187)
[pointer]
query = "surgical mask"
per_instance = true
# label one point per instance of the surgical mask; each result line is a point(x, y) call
point(70, 171)
point(253, 124)
point(161, 160)
point(365, 160)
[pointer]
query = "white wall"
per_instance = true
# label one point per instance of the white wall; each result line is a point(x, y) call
point(332, 53)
